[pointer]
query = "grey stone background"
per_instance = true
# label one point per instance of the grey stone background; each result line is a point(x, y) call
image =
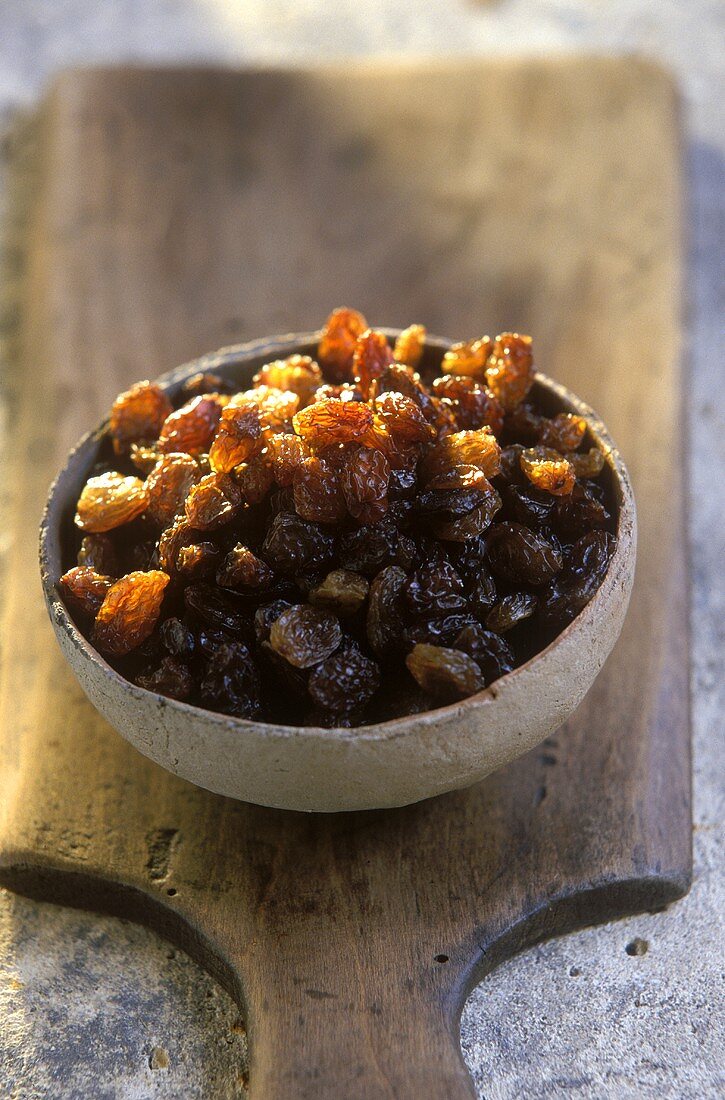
point(97, 1007)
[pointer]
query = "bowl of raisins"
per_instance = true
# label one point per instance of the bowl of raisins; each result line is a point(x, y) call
point(341, 570)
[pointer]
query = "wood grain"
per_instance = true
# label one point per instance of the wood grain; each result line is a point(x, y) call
point(181, 210)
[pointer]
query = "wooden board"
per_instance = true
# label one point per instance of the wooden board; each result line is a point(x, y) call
point(181, 210)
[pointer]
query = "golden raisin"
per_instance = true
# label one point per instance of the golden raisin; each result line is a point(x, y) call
point(589, 464)
point(238, 437)
point(298, 373)
point(448, 673)
point(409, 346)
point(337, 343)
point(212, 502)
point(364, 481)
point(110, 500)
point(84, 590)
point(317, 492)
point(341, 591)
point(168, 485)
point(472, 448)
point(332, 421)
point(468, 359)
point(510, 369)
point(564, 432)
point(129, 611)
point(548, 470)
point(191, 428)
point(137, 415)
point(372, 355)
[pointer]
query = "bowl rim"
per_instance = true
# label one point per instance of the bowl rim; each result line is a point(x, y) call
point(276, 347)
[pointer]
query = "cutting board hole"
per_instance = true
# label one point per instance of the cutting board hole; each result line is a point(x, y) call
point(637, 947)
point(441, 958)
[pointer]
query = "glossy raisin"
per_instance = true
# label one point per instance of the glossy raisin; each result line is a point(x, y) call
point(212, 502)
point(522, 556)
point(137, 415)
point(305, 635)
point(371, 357)
point(129, 611)
point(548, 470)
point(510, 369)
point(109, 501)
point(99, 553)
point(385, 622)
point(192, 427)
point(492, 653)
point(172, 678)
point(345, 681)
point(168, 485)
point(511, 610)
point(341, 592)
point(243, 569)
point(445, 673)
point(298, 373)
point(232, 683)
point(364, 483)
point(84, 590)
point(337, 343)
point(409, 346)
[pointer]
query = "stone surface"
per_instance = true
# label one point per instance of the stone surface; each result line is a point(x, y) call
point(86, 1003)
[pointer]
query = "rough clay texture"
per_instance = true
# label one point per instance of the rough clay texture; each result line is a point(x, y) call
point(84, 1000)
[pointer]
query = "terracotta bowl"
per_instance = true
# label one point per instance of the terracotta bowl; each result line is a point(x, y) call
point(388, 764)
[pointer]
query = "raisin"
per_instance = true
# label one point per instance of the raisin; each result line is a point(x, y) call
point(472, 448)
point(317, 492)
point(590, 556)
point(468, 359)
point(337, 342)
point(440, 630)
point(435, 588)
point(275, 408)
point(510, 369)
point(345, 681)
point(287, 454)
point(137, 415)
point(548, 470)
point(197, 561)
point(341, 591)
point(481, 594)
point(232, 684)
point(292, 545)
point(109, 501)
point(564, 433)
point(172, 678)
point(98, 552)
point(254, 479)
point(402, 484)
point(569, 593)
point(129, 611)
point(177, 638)
point(219, 609)
point(403, 419)
point(298, 373)
point(84, 590)
point(369, 548)
point(444, 672)
point(192, 427)
point(527, 505)
point(243, 569)
point(580, 512)
point(473, 405)
point(511, 610)
point(237, 438)
point(265, 615)
point(179, 534)
point(212, 502)
point(145, 459)
point(204, 382)
point(490, 651)
point(305, 635)
point(589, 464)
point(471, 524)
point(454, 492)
point(168, 485)
point(333, 421)
point(409, 346)
point(521, 556)
point(385, 627)
point(364, 484)
point(371, 356)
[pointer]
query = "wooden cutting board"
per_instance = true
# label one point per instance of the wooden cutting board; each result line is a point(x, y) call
point(180, 210)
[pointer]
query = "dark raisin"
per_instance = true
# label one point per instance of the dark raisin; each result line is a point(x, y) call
point(521, 556)
point(510, 611)
point(231, 683)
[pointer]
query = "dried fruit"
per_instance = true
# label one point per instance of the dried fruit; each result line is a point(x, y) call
point(510, 369)
point(337, 342)
point(172, 678)
point(243, 569)
point(129, 611)
point(385, 625)
point(238, 437)
point(137, 415)
point(443, 672)
point(473, 405)
point(305, 635)
point(84, 590)
point(168, 486)
point(341, 591)
point(371, 356)
point(356, 491)
point(364, 483)
point(298, 373)
point(109, 501)
point(231, 683)
point(345, 681)
point(192, 427)
point(472, 448)
point(212, 502)
point(510, 611)
point(326, 423)
point(548, 470)
point(409, 346)
point(521, 556)
point(98, 552)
